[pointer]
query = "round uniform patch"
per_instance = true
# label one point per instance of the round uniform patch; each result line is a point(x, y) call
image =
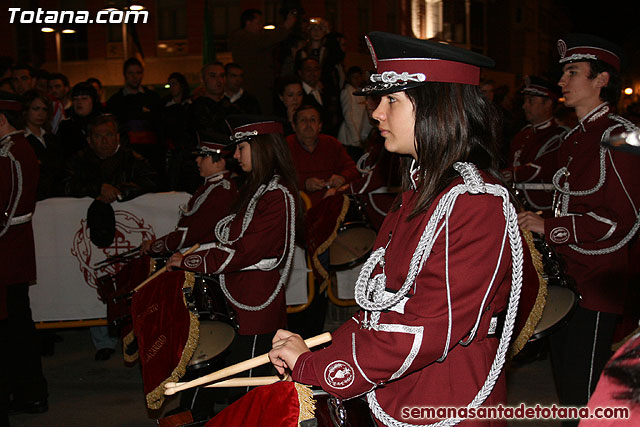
point(559, 235)
point(192, 261)
point(158, 246)
point(339, 374)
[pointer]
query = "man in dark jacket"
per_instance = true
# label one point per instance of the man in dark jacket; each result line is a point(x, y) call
point(105, 170)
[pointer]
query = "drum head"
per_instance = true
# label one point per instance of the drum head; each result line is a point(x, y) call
point(214, 338)
point(560, 304)
point(352, 245)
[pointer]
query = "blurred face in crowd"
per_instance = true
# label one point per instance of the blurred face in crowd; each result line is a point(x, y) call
point(104, 140)
point(37, 113)
point(57, 89)
point(82, 105)
point(175, 90)
point(256, 24)
point(396, 117)
point(537, 109)
point(310, 72)
point(133, 76)
point(42, 84)
point(243, 156)
point(487, 91)
point(22, 81)
point(235, 79)
point(307, 126)
point(207, 167)
point(292, 96)
point(356, 79)
point(213, 79)
point(317, 31)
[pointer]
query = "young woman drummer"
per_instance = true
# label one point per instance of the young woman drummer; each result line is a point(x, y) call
point(253, 250)
point(446, 256)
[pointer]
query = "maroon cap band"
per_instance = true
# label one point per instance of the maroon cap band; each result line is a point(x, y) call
point(435, 70)
point(261, 128)
point(578, 53)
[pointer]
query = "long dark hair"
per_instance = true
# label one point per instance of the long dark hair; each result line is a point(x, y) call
point(453, 123)
point(269, 155)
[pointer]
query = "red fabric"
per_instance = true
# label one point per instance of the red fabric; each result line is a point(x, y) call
point(270, 405)
point(130, 275)
point(320, 222)
point(199, 227)
point(602, 279)
point(328, 158)
point(606, 391)
point(161, 324)
point(532, 158)
point(362, 356)
point(264, 238)
point(17, 250)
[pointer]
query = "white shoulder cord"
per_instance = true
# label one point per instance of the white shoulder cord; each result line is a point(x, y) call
point(5, 151)
point(369, 293)
point(290, 237)
point(184, 211)
point(565, 193)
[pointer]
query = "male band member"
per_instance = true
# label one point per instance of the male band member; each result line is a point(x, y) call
point(20, 366)
point(596, 214)
point(209, 204)
point(531, 162)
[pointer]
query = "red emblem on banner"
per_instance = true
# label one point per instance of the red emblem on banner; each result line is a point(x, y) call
point(129, 229)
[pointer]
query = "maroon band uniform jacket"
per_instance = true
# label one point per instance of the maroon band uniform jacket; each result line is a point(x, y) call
point(399, 359)
point(602, 216)
point(209, 204)
point(532, 160)
point(265, 238)
point(17, 250)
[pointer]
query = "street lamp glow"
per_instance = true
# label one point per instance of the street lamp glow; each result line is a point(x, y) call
point(47, 30)
point(628, 91)
point(136, 7)
point(68, 31)
point(269, 27)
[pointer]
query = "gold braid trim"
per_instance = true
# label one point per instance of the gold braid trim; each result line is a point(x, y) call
point(155, 398)
point(126, 340)
point(541, 298)
point(306, 402)
point(324, 246)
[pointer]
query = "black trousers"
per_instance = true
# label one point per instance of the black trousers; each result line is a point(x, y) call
point(20, 365)
point(579, 353)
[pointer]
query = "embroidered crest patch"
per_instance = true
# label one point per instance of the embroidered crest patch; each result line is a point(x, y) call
point(339, 374)
point(158, 246)
point(559, 235)
point(192, 261)
point(562, 48)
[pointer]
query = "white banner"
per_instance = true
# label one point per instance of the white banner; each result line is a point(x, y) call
point(65, 256)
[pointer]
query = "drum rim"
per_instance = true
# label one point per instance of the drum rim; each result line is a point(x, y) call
point(349, 265)
point(563, 321)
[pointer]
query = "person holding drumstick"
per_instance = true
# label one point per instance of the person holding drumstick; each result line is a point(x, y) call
point(253, 249)
point(438, 281)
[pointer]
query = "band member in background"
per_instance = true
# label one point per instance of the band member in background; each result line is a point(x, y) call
point(209, 204)
point(253, 250)
point(596, 214)
point(20, 365)
point(531, 162)
point(423, 337)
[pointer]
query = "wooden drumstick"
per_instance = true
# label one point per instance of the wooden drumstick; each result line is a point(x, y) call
point(171, 388)
point(163, 269)
point(244, 382)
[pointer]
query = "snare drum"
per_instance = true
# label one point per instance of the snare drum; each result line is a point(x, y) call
point(218, 322)
point(355, 238)
point(561, 303)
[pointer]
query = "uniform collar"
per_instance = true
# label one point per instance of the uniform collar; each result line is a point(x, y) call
point(543, 125)
point(7, 138)
point(40, 138)
point(593, 115)
point(216, 176)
